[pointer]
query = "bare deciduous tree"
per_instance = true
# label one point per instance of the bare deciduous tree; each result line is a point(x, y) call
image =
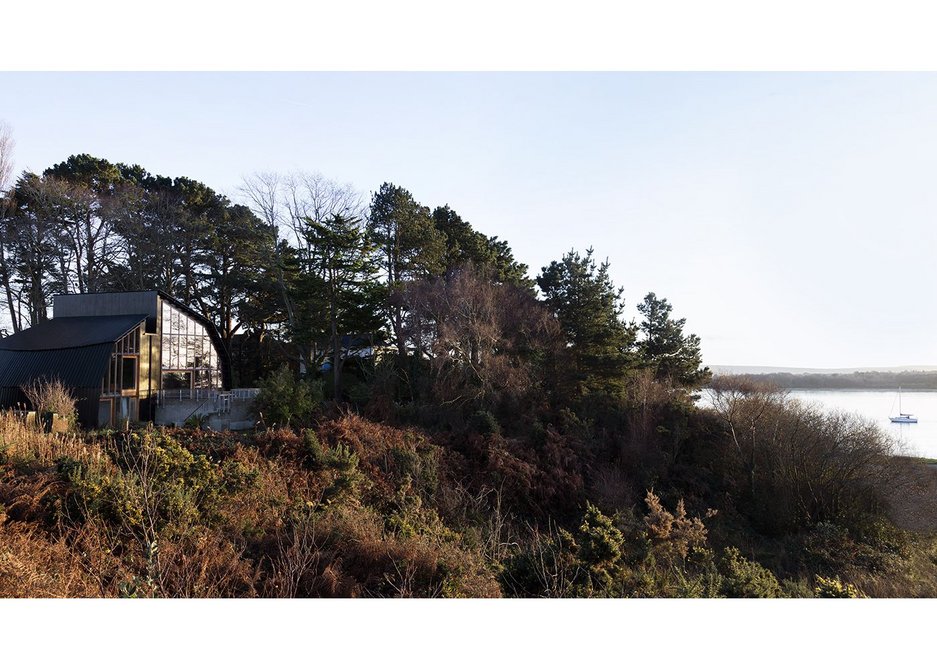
point(313, 197)
point(480, 336)
point(6, 210)
point(7, 144)
point(293, 204)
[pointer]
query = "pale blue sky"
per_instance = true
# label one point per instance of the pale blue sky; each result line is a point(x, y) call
point(788, 217)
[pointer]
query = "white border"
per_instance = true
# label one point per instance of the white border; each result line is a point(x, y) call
point(481, 35)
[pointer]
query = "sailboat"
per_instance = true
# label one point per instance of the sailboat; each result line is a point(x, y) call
point(902, 418)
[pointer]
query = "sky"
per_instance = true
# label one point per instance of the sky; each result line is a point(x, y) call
point(787, 216)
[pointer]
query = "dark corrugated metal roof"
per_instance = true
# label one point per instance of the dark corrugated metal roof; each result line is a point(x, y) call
point(76, 367)
point(75, 332)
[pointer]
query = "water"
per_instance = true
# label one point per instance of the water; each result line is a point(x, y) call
point(918, 439)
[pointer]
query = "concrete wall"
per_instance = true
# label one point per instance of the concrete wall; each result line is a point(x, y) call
point(177, 412)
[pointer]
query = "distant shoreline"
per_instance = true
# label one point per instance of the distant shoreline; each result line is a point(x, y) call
point(858, 380)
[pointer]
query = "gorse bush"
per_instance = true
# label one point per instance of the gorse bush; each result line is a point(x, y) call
point(153, 484)
point(835, 588)
point(747, 579)
point(600, 549)
point(588, 562)
point(674, 534)
point(347, 479)
point(483, 422)
point(314, 455)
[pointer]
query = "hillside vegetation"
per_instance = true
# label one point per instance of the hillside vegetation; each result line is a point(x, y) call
point(681, 503)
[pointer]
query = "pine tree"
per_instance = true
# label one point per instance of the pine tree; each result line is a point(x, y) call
point(664, 348)
point(489, 255)
point(589, 308)
point(342, 272)
point(409, 246)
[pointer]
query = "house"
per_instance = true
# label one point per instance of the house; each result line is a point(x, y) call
point(121, 354)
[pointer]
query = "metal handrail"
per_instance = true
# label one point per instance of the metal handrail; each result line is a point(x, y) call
point(205, 394)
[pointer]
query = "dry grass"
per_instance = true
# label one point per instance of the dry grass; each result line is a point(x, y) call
point(50, 396)
point(25, 443)
point(204, 564)
point(33, 565)
point(913, 576)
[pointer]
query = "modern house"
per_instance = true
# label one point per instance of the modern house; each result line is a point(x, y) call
point(122, 354)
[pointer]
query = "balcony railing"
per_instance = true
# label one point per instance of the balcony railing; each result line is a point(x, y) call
point(221, 399)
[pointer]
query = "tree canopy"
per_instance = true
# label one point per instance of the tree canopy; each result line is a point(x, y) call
point(664, 347)
point(301, 264)
point(589, 309)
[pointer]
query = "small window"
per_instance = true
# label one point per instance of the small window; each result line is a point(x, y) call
point(128, 373)
point(127, 408)
point(104, 413)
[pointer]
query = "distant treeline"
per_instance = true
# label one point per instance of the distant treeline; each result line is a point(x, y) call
point(859, 380)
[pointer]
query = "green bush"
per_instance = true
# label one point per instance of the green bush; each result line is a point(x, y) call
point(284, 400)
point(600, 549)
point(314, 455)
point(546, 566)
point(747, 579)
point(198, 421)
point(158, 484)
point(420, 465)
point(589, 563)
point(348, 478)
point(835, 588)
point(485, 423)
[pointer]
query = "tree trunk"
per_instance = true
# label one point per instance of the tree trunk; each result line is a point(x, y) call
point(336, 351)
point(5, 277)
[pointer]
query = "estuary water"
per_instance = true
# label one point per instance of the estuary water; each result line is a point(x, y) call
point(914, 439)
point(877, 405)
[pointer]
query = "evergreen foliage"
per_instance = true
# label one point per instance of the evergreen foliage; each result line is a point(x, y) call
point(339, 285)
point(589, 309)
point(466, 246)
point(664, 348)
point(409, 247)
point(284, 400)
point(747, 579)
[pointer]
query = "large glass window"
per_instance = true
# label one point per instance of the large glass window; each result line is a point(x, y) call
point(122, 370)
point(189, 359)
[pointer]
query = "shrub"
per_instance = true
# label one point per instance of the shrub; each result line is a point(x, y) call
point(483, 422)
point(157, 484)
point(561, 564)
point(674, 534)
point(747, 579)
point(790, 466)
point(419, 466)
point(51, 396)
point(284, 400)
point(348, 478)
point(835, 588)
point(546, 566)
point(197, 421)
point(314, 455)
point(600, 548)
